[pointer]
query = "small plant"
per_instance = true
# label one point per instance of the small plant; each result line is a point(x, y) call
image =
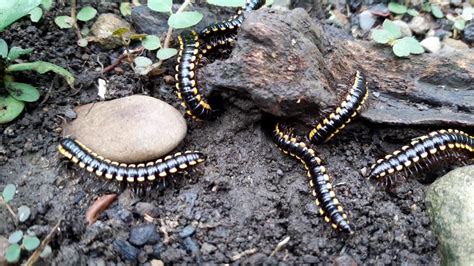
point(13, 10)
point(459, 22)
point(13, 95)
point(390, 35)
point(66, 22)
point(399, 9)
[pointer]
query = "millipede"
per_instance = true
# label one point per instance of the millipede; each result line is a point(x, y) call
point(329, 126)
point(319, 181)
point(79, 154)
point(225, 32)
point(186, 84)
point(422, 153)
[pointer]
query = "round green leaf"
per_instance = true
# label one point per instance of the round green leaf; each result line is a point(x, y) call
point(412, 12)
point(142, 63)
point(392, 28)
point(160, 5)
point(36, 14)
point(125, 9)
point(184, 19)
point(12, 255)
point(401, 48)
point(86, 13)
point(436, 11)
point(64, 22)
point(22, 91)
point(16, 52)
point(227, 3)
point(31, 242)
point(23, 213)
point(10, 108)
point(414, 45)
point(460, 24)
point(15, 237)
point(3, 48)
point(10, 189)
point(151, 42)
point(381, 36)
point(46, 252)
point(397, 8)
point(46, 4)
point(165, 53)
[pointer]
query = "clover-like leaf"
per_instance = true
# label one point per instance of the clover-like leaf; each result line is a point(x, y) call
point(16, 52)
point(36, 14)
point(142, 63)
point(392, 28)
point(160, 5)
point(10, 189)
point(13, 10)
point(47, 4)
point(227, 3)
point(12, 255)
point(412, 12)
point(460, 24)
point(184, 19)
point(3, 48)
point(436, 11)
point(22, 91)
point(381, 36)
point(415, 46)
point(10, 108)
point(86, 13)
point(467, 13)
point(15, 237)
point(397, 8)
point(63, 22)
point(166, 53)
point(151, 42)
point(24, 213)
point(401, 48)
point(125, 9)
point(31, 242)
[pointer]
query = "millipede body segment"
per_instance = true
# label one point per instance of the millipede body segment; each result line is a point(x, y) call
point(186, 84)
point(329, 126)
point(319, 181)
point(131, 173)
point(422, 153)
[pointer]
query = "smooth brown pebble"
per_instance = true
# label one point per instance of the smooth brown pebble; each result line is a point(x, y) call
point(130, 130)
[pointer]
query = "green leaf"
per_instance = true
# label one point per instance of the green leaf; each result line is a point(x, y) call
point(15, 237)
point(63, 22)
point(125, 9)
point(268, 3)
point(227, 3)
point(3, 48)
point(401, 48)
point(10, 189)
point(119, 32)
point(381, 36)
point(36, 14)
point(184, 19)
point(43, 67)
point(86, 13)
point(460, 24)
point(12, 255)
point(22, 91)
point(10, 108)
point(415, 46)
point(13, 10)
point(166, 53)
point(151, 42)
point(160, 5)
point(47, 4)
point(436, 11)
point(141, 64)
point(397, 8)
point(31, 242)
point(23, 213)
point(16, 52)
point(392, 28)
point(426, 7)
point(467, 13)
point(137, 36)
point(412, 12)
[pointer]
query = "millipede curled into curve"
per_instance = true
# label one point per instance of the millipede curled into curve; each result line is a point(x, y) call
point(319, 181)
point(329, 126)
point(422, 153)
point(79, 154)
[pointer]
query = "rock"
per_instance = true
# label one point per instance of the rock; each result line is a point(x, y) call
point(456, 44)
point(145, 208)
point(191, 246)
point(156, 263)
point(125, 250)
point(431, 44)
point(419, 25)
point(450, 204)
point(380, 10)
point(143, 234)
point(344, 260)
point(103, 28)
point(207, 248)
point(3, 248)
point(468, 33)
point(404, 28)
point(310, 259)
point(366, 20)
point(187, 231)
point(132, 129)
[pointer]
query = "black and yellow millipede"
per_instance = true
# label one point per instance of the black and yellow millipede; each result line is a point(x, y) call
point(349, 108)
point(319, 180)
point(422, 154)
point(140, 173)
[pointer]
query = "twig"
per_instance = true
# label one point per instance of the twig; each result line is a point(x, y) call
point(34, 257)
point(120, 58)
point(244, 253)
point(280, 246)
point(10, 210)
point(74, 19)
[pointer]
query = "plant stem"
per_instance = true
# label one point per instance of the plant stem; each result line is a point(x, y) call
point(10, 210)
point(74, 19)
point(34, 257)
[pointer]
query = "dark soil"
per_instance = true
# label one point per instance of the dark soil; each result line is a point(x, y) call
point(248, 196)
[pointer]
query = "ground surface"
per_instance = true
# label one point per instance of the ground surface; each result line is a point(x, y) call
point(247, 197)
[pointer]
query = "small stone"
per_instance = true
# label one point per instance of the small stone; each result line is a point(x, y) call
point(468, 33)
point(69, 113)
point(207, 248)
point(125, 250)
point(132, 129)
point(3, 247)
point(145, 208)
point(310, 259)
point(456, 44)
point(450, 204)
point(344, 260)
point(431, 44)
point(404, 28)
point(187, 231)
point(366, 20)
point(191, 246)
point(419, 25)
point(143, 234)
point(156, 263)
point(380, 10)
point(103, 28)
